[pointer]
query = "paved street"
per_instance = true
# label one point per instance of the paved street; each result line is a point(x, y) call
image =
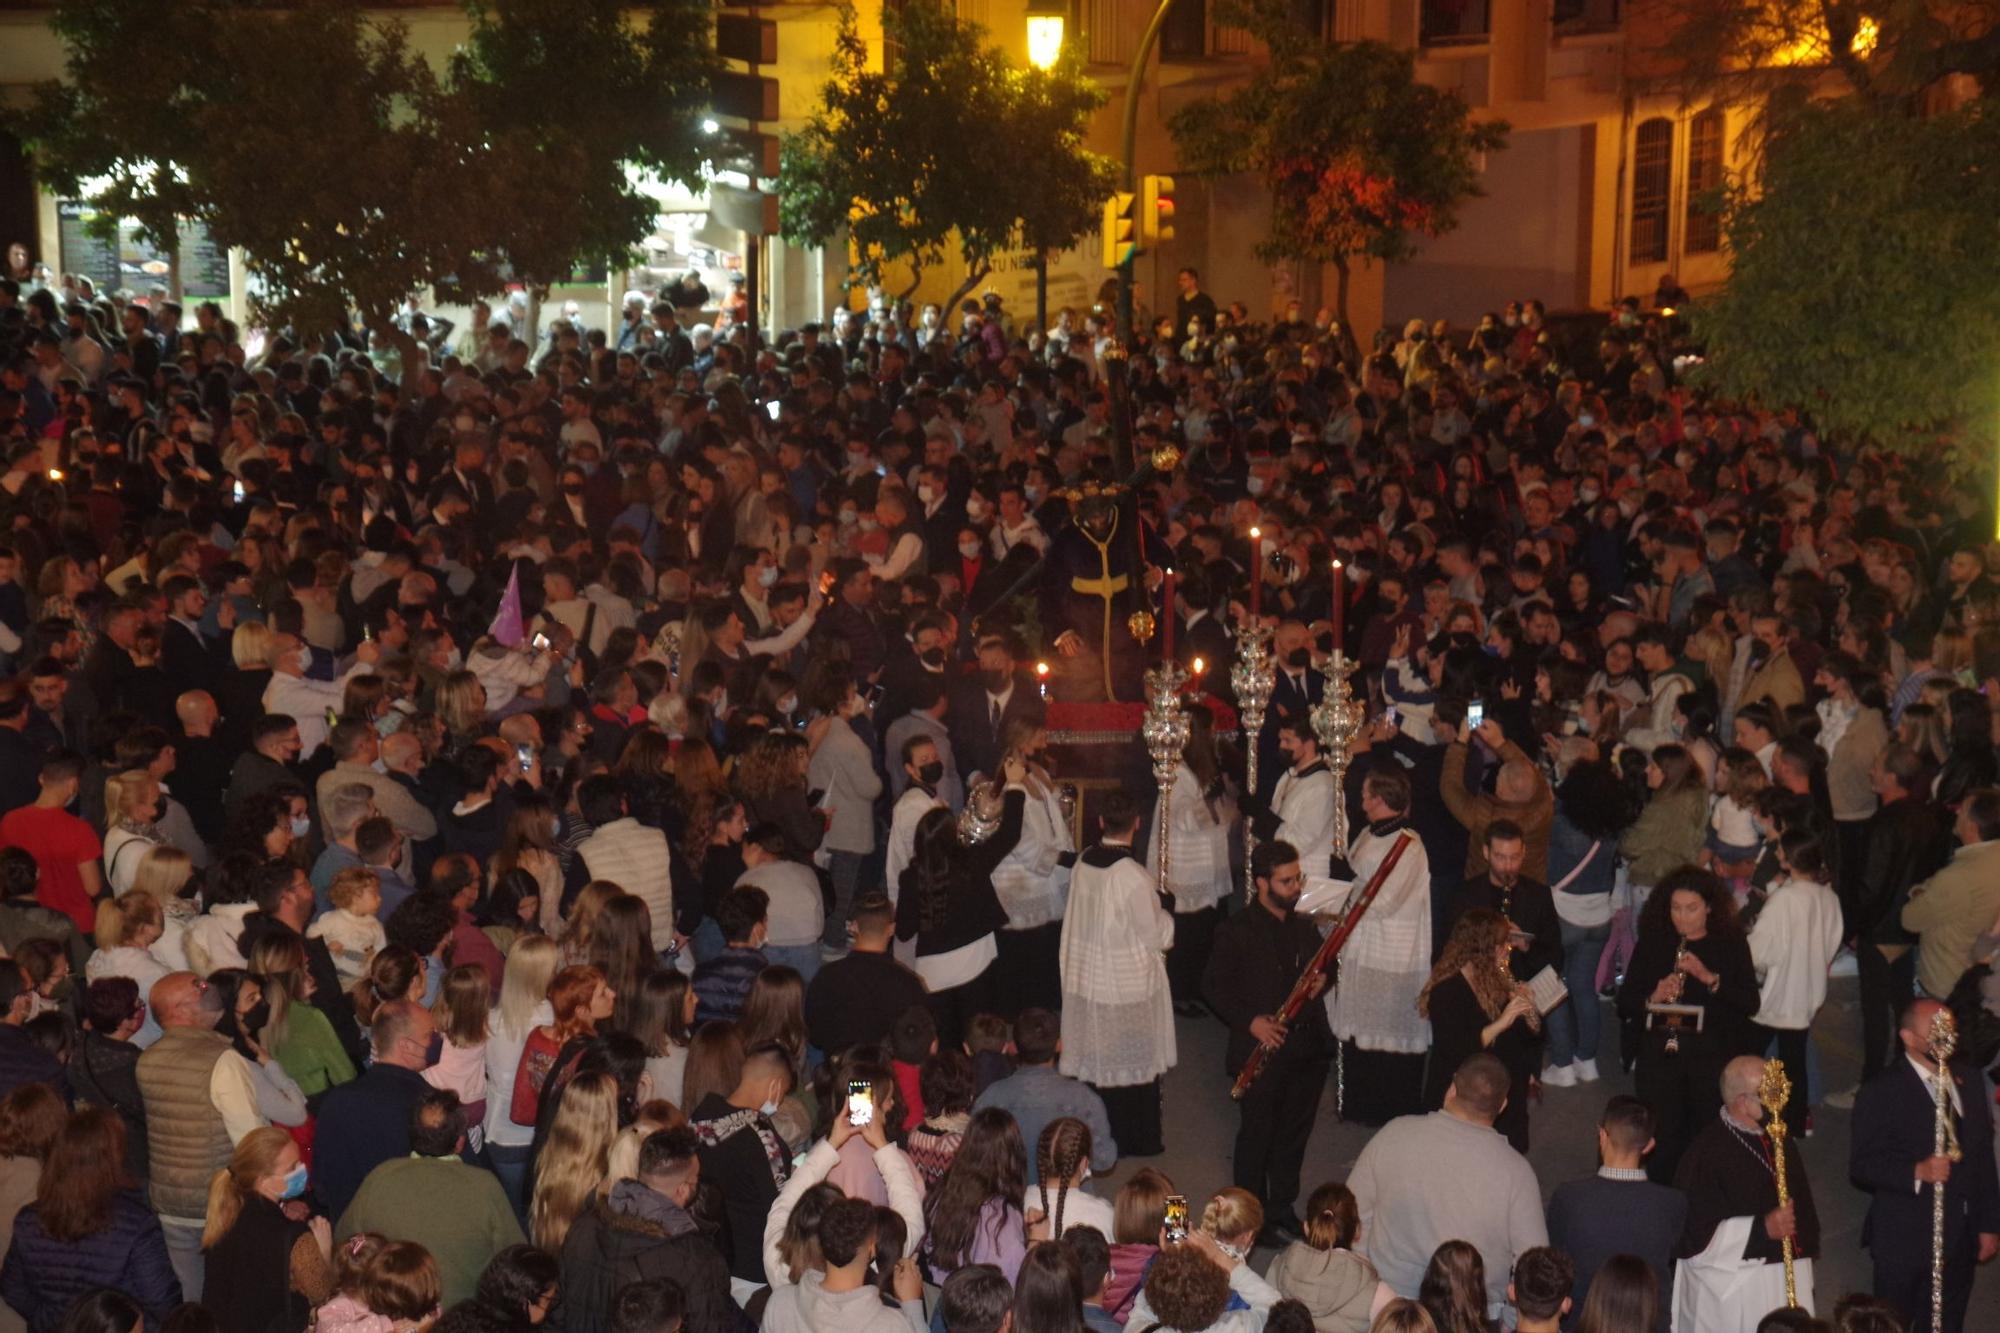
point(1201, 1128)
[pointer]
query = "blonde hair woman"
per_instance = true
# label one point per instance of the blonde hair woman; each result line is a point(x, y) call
point(132, 807)
point(127, 926)
point(263, 1267)
point(298, 1036)
point(164, 873)
point(250, 646)
point(523, 1007)
point(461, 706)
point(576, 1157)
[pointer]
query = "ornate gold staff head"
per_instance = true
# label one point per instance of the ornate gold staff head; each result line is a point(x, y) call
point(1773, 1091)
point(1942, 1039)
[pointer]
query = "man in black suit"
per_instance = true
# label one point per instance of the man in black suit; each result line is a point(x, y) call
point(187, 658)
point(1907, 843)
point(20, 758)
point(1296, 689)
point(1894, 1132)
point(982, 706)
point(1201, 634)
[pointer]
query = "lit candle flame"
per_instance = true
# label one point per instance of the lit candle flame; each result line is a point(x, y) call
point(1041, 668)
point(1256, 533)
point(55, 474)
point(1199, 666)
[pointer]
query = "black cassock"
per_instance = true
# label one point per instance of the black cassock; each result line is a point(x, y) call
point(1727, 1173)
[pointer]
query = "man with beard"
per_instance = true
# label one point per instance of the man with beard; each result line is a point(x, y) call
point(1260, 953)
point(1526, 903)
point(1301, 809)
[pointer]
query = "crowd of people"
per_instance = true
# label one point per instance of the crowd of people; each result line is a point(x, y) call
point(564, 829)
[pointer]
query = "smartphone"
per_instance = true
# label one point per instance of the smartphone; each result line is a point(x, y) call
point(826, 584)
point(367, 633)
point(524, 755)
point(540, 642)
point(1392, 717)
point(237, 491)
point(1475, 713)
point(874, 695)
point(1176, 1225)
point(860, 1102)
point(772, 409)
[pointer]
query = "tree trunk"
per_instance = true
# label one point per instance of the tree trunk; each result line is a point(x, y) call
point(972, 279)
point(916, 281)
point(1350, 348)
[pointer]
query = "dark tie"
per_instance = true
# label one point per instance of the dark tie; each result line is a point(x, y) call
point(996, 719)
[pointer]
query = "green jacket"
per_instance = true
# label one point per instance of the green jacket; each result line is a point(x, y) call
point(1668, 836)
point(457, 1212)
point(311, 1053)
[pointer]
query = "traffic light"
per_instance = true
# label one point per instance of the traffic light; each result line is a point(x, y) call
point(1156, 216)
point(1120, 244)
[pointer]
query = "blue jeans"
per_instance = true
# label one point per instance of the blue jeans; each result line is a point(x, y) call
point(802, 958)
point(1573, 1026)
point(510, 1164)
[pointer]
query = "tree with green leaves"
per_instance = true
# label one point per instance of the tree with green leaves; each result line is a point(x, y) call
point(949, 148)
point(351, 172)
point(1862, 288)
point(1360, 159)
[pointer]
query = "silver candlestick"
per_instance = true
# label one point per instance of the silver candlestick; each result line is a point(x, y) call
point(1337, 720)
point(1252, 678)
point(1165, 731)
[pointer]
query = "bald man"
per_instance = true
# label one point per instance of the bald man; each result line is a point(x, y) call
point(201, 1099)
point(1731, 1272)
point(1895, 1127)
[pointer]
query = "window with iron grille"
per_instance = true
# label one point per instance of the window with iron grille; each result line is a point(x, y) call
point(1652, 184)
point(1184, 36)
point(1704, 178)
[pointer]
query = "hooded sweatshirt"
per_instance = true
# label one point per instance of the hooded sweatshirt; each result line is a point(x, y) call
point(809, 1307)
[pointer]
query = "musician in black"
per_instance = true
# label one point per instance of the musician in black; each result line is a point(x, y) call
point(1894, 1158)
point(1259, 955)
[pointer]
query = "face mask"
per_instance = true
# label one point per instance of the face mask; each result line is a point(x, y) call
point(1588, 495)
point(253, 1021)
point(1299, 657)
point(1033, 494)
point(768, 1108)
point(788, 704)
point(295, 1182)
point(768, 575)
point(1255, 485)
point(929, 773)
point(453, 660)
point(932, 658)
point(926, 493)
point(1587, 420)
point(996, 681)
point(970, 550)
point(301, 827)
point(572, 488)
point(848, 517)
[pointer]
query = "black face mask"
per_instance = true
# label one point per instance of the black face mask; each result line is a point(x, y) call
point(996, 681)
point(572, 488)
point(929, 774)
point(252, 1022)
point(932, 658)
point(1299, 657)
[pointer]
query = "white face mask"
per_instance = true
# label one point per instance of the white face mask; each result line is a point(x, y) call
point(768, 575)
point(768, 1108)
point(453, 660)
point(301, 826)
point(1255, 485)
point(926, 493)
point(970, 550)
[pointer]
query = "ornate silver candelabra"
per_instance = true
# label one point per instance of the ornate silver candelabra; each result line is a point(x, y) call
point(1252, 678)
point(1165, 732)
point(1337, 720)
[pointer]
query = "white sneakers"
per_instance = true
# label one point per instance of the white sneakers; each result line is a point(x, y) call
point(1568, 1076)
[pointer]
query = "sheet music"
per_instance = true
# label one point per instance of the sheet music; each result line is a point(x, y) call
point(1546, 989)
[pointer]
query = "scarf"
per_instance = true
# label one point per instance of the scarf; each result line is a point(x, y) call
point(713, 1132)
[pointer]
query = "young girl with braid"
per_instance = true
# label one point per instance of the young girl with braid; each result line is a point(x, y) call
point(1062, 1159)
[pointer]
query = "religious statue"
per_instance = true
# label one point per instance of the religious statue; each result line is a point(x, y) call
point(1091, 593)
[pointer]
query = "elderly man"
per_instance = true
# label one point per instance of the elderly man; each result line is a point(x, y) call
point(304, 700)
point(356, 746)
point(342, 809)
point(201, 1098)
point(1520, 794)
point(1731, 1270)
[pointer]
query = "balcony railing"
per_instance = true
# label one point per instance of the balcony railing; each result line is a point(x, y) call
point(1577, 16)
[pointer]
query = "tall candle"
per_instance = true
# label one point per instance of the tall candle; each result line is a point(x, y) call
point(1167, 615)
point(1339, 607)
point(1256, 573)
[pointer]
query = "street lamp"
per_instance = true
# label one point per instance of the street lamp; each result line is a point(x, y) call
point(1047, 20)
